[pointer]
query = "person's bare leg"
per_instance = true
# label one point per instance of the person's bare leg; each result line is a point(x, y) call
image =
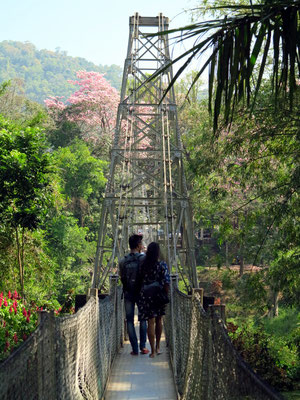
point(151, 335)
point(158, 331)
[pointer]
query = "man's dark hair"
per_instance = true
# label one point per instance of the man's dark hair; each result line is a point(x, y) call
point(134, 241)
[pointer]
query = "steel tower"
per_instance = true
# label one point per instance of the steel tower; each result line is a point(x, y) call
point(146, 189)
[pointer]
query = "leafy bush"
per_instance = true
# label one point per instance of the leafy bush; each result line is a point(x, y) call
point(251, 290)
point(18, 320)
point(285, 340)
point(276, 361)
point(228, 279)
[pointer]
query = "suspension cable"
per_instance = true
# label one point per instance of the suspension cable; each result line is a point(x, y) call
point(127, 154)
point(171, 193)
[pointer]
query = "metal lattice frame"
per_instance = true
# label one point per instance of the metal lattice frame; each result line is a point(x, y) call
point(146, 190)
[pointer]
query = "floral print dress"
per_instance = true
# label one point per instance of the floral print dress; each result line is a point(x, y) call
point(148, 307)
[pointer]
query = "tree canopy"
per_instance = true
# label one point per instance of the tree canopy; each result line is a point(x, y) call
point(46, 73)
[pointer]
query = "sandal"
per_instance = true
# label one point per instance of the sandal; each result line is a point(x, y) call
point(134, 354)
point(144, 351)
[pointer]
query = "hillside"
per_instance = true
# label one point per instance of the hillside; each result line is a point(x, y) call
point(45, 73)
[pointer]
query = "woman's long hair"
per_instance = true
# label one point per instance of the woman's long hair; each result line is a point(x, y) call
point(152, 257)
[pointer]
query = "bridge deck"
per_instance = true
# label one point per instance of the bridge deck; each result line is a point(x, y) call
point(141, 377)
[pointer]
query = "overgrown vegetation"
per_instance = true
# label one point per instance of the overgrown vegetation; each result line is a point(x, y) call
point(50, 202)
point(269, 345)
point(242, 159)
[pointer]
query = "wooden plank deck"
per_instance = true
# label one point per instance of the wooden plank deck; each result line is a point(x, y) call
point(140, 377)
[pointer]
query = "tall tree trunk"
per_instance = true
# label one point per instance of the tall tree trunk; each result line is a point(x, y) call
point(273, 310)
point(20, 261)
point(22, 258)
point(241, 257)
point(226, 254)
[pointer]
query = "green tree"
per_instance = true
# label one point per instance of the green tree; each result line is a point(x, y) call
point(245, 184)
point(72, 252)
point(81, 176)
point(24, 180)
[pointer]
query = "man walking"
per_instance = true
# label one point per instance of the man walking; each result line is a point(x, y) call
point(129, 273)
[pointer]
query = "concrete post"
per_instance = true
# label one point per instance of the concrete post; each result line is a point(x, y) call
point(46, 356)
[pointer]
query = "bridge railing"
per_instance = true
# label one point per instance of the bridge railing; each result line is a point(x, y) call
point(205, 363)
point(67, 357)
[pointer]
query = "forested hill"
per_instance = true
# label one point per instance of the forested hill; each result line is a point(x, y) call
point(46, 73)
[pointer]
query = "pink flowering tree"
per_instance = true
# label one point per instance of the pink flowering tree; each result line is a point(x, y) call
point(92, 107)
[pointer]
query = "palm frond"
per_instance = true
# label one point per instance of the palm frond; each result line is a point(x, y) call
point(240, 42)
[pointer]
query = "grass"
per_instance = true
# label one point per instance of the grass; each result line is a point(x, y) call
point(295, 395)
point(287, 321)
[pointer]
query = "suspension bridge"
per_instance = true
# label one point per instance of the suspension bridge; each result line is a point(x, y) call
point(85, 355)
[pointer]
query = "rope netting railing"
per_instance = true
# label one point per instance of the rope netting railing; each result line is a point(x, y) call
point(205, 363)
point(67, 357)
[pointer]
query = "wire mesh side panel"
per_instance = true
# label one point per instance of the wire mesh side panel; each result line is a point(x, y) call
point(77, 350)
point(111, 332)
point(235, 379)
point(214, 369)
point(119, 318)
point(67, 357)
point(86, 345)
point(178, 333)
point(19, 372)
point(198, 378)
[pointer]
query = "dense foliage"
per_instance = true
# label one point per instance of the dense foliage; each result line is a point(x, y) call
point(51, 193)
point(46, 73)
point(242, 148)
point(16, 322)
point(50, 200)
point(269, 345)
point(243, 180)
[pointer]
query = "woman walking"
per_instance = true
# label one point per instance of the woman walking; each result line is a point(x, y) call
point(153, 297)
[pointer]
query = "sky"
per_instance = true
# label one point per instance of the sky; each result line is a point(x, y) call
point(94, 29)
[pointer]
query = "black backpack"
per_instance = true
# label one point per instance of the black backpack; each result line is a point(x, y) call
point(154, 293)
point(130, 273)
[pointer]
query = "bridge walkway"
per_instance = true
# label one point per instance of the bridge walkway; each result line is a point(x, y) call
point(141, 377)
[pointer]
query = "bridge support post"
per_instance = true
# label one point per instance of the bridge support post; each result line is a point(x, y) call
point(93, 292)
point(46, 356)
point(113, 282)
point(198, 292)
point(174, 285)
point(119, 326)
point(220, 309)
point(174, 280)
